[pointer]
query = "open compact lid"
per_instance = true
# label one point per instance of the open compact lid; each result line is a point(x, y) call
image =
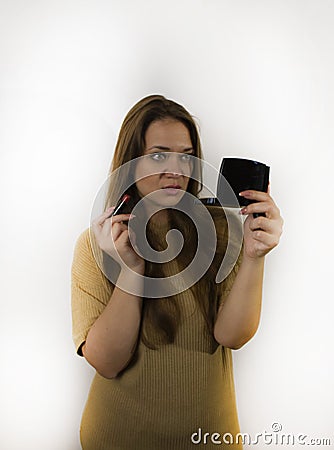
point(238, 174)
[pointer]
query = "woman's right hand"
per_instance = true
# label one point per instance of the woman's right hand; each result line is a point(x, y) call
point(112, 236)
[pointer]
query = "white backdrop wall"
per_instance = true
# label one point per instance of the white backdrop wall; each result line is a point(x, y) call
point(258, 75)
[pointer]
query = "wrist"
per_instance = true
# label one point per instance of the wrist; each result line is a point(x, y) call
point(131, 281)
point(253, 260)
point(139, 269)
point(132, 272)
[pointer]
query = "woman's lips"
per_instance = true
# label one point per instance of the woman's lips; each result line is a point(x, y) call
point(172, 190)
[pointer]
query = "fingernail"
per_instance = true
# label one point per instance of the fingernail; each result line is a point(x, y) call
point(243, 211)
point(132, 216)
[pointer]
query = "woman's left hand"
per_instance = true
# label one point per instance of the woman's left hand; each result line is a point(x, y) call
point(261, 234)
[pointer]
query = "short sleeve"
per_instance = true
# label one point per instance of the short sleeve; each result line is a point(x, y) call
point(90, 290)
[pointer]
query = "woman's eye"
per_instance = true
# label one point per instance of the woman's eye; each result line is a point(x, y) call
point(186, 157)
point(158, 156)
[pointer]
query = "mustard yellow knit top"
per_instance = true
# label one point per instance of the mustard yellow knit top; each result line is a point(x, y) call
point(166, 394)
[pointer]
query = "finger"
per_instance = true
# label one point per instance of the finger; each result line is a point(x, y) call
point(96, 229)
point(100, 219)
point(255, 195)
point(272, 227)
point(116, 230)
point(124, 238)
point(257, 207)
point(98, 225)
point(129, 239)
point(267, 239)
point(262, 223)
point(110, 211)
point(121, 218)
point(132, 236)
point(108, 214)
point(269, 208)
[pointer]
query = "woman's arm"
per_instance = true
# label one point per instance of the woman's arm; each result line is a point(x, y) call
point(112, 339)
point(238, 317)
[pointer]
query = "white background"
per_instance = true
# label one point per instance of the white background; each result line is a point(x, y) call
point(258, 74)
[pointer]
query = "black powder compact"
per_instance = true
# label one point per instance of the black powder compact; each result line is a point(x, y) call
point(237, 175)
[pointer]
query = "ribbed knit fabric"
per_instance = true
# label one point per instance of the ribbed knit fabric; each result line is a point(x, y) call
point(164, 395)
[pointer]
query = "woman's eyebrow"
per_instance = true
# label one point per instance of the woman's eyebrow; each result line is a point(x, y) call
point(162, 147)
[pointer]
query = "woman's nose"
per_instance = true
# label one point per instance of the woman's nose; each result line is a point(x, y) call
point(173, 165)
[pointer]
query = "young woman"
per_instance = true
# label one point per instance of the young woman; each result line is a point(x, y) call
point(163, 364)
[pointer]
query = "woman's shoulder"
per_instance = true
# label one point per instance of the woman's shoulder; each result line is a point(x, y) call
point(87, 262)
point(83, 242)
point(84, 254)
point(83, 237)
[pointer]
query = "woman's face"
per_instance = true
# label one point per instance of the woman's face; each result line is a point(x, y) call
point(166, 166)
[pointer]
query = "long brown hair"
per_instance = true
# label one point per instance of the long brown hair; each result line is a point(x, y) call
point(160, 318)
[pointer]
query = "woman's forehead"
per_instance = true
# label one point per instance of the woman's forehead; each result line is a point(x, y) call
point(168, 135)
